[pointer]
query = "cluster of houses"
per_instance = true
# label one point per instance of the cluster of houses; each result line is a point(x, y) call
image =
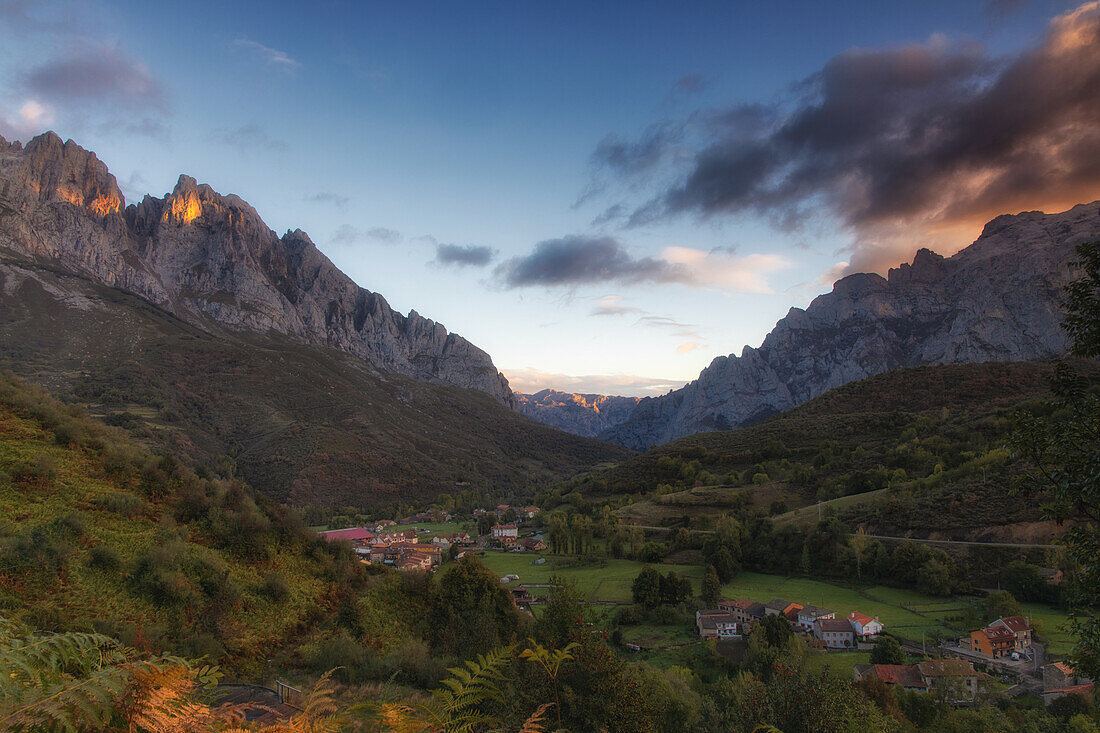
point(507, 536)
point(734, 620)
point(956, 679)
point(399, 549)
point(1003, 637)
point(522, 512)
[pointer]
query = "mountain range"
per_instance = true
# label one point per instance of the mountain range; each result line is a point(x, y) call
point(189, 322)
point(997, 300)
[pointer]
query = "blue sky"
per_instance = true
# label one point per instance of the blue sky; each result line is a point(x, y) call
point(429, 148)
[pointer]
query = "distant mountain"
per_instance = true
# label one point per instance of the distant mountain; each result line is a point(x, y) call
point(189, 323)
point(997, 300)
point(208, 258)
point(580, 414)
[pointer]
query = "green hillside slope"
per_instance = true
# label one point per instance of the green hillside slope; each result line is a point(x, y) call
point(918, 451)
point(98, 533)
point(302, 423)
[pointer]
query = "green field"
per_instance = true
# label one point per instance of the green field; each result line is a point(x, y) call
point(609, 581)
point(885, 603)
point(437, 529)
point(1049, 623)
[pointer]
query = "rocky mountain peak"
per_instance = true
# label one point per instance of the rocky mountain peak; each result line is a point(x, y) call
point(210, 259)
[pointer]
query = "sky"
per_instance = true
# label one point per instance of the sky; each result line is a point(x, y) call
point(604, 196)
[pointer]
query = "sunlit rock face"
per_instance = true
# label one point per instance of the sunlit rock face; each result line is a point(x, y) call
point(997, 300)
point(581, 414)
point(210, 259)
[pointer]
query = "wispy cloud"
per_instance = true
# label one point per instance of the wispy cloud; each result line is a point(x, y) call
point(347, 234)
point(96, 74)
point(529, 380)
point(612, 305)
point(328, 197)
point(273, 56)
point(456, 255)
point(31, 118)
point(248, 138)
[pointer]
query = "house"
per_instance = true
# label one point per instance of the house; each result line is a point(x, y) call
point(809, 614)
point(745, 611)
point(907, 676)
point(716, 624)
point(992, 641)
point(1020, 629)
point(1053, 576)
point(955, 679)
point(505, 534)
point(415, 560)
point(521, 597)
point(534, 544)
point(834, 633)
point(530, 511)
point(777, 607)
point(866, 628)
point(381, 525)
point(480, 512)
point(460, 538)
point(791, 614)
point(441, 542)
point(355, 535)
point(1061, 679)
point(501, 508)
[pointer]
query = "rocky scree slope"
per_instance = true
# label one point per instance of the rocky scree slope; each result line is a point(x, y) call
point(997, 300)
point(205, 257)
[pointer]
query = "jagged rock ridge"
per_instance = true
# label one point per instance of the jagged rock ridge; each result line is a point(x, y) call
point(997, 300)
point(206, 257)
point(586, 415)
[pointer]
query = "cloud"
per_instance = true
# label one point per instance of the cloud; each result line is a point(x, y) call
point(31, 118)
point(101, 74)
point(611, 305)
point(272, 56)
point(580, 260)
point(907, 146)
point(529, 380)
point(247, 138)
point(347, 234)
point(689, 84)
point(689, 346)
point(328, 197)
point(22, 16)
point(456, 255)
point(678, 328)
point(1001, 9)
point(576, 260)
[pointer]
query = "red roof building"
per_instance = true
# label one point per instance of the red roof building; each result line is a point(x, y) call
point(352, 534)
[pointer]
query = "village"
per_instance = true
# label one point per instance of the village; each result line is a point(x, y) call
point(959, 668)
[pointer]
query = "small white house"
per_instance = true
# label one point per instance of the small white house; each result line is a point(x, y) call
point(864, 626)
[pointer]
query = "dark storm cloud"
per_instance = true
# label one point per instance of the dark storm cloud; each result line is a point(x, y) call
point(574, 260)
point(97, 74)
point(463, 255)
point(927, 135)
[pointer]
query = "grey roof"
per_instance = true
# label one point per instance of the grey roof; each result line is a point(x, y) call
point(814, 611)
point(711, 622)
point(756, 609)
point(777, 604)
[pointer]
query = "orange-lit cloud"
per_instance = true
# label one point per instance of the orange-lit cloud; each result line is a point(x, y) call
point(910, 146)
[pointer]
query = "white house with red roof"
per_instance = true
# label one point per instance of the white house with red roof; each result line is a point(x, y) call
point(1019, 627)
point(506, 534)
point(864, 626)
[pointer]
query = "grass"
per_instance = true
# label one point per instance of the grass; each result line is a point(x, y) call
point(436, 529)
point(1050, 622)
point(837, 663)
point(608, 582)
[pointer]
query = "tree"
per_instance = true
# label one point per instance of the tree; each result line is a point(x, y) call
point(646, 588)
point(999, 604)
point(724, 564)
point(860, 542)
point(674, 589)
point(1063, 447)
point(887, 651)
point(712, 587)
point(471, 612)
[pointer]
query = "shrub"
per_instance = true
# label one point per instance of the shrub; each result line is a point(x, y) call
point(122, 503)
point(102, 557)
point(274, 587)
point(41, 469)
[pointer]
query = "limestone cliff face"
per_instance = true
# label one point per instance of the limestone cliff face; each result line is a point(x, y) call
point(207, 258)
point(997, 300)
point(586, 415)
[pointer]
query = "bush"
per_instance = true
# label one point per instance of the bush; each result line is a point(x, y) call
point(41, 469)
point(274, 587)
point(102, 557)
point(122, 503)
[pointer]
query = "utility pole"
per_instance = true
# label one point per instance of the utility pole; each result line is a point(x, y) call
point(819, 511)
